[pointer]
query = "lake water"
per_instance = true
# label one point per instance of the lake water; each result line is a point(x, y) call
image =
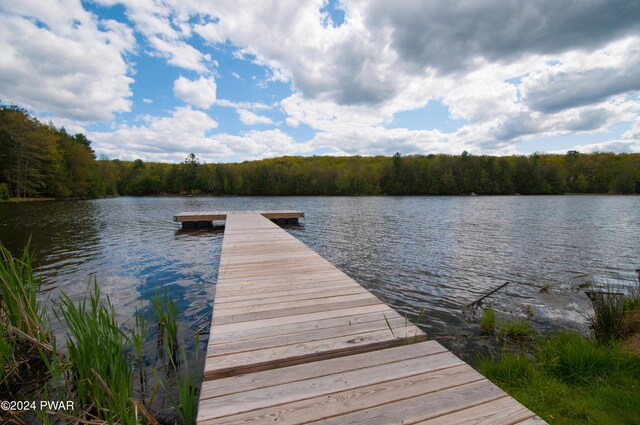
point(439, 253)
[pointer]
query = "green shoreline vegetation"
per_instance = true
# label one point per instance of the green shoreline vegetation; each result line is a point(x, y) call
point(566, 378)
point(40, 161)
point(97, 369)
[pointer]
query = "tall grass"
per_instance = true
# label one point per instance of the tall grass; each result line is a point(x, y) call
point(515, 331)
point(572, 380)
point(138, 333)
point(613, 304)
point(514, 369)
point(488, 320)
point(19, 289)
point(24, 322)
point(101, 373)
point(576, 360)
point(97, 371)
point(167, 318)
point(188, 389)
point(7, 355)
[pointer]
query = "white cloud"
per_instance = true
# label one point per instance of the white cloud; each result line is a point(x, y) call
point(148, 101)
point(165, 25)
point(182, 131)
point(616, 146)
point(584, 79)
point(255, 106)
point(61, 60)
point(171, 138)
point(633, 133)
point(383, 60)
point(250, 118)
point(510, 72)
point(180, 54)
point(200, 92)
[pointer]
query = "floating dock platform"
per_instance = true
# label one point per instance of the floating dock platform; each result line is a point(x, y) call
point(295, 340)
point(206, 218)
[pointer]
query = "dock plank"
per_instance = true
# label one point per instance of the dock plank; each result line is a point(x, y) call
point(295, 340)
point(250, 270)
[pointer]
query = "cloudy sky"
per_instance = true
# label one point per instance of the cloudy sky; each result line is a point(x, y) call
point(236, 80)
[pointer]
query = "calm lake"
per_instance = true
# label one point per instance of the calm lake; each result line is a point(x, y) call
point(436, 252)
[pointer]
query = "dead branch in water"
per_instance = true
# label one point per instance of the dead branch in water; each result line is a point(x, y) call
point(470, 309)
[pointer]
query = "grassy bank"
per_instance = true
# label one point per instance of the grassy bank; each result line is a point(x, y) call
point(572, 380)
point(569, 379)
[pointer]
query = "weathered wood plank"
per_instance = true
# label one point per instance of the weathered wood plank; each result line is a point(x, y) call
point(247, 290)
point(533, 421)
point(249, 400)
point(290, 306)
point(295, 340)
point(293, 311)
point(280, 330)
point(268, 378)
point(304, 337)
point(427, 406)
point(224, 302)
point(274, 357)
point(349, 313)
point(503, 411)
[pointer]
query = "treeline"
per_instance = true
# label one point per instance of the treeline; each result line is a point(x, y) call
point(397, 175)
point(39, 160)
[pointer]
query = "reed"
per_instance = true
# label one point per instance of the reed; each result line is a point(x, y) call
point(7, 356)
point(138, 334)
point(613, 304)
point(188, 390)
point(417, 323)
point(167, 318)
point(186, 403)
point(19, 290)
point(101, 373)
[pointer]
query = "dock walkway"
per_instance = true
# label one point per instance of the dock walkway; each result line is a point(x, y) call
point(295, 340)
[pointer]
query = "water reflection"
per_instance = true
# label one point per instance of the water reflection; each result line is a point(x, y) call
point(437, 252)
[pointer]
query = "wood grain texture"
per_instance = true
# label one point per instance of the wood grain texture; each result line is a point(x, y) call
point(312, 370)
point(295, 340)
point(318, 306)
point(503, 411)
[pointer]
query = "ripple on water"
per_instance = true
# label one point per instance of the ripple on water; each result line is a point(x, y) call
point(436, 252)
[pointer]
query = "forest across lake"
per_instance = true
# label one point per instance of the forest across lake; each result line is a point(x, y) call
point(39, 160)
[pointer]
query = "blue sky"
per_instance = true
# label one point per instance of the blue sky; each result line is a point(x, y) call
point(239, 80)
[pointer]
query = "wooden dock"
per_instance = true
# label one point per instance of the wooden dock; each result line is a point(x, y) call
point(206, 218)
point(295, 340)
